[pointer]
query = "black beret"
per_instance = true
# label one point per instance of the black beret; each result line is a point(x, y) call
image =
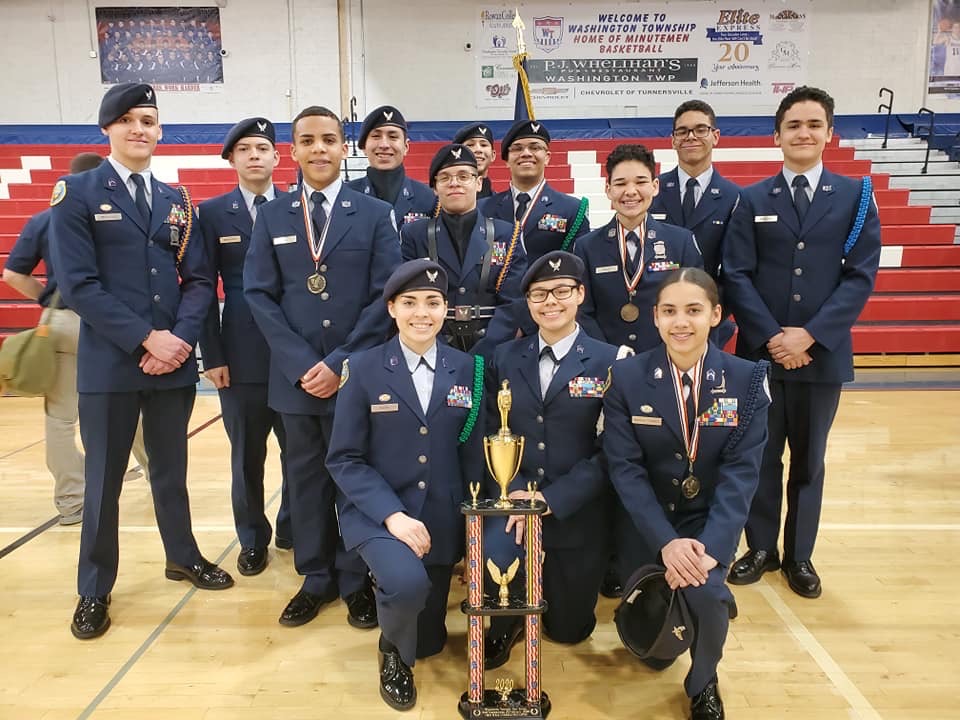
point(120, 98)
point(251, 127)
point(474, 130)
point(653, 621)
point(523, 129)
point(450, 155)
point(419, 274)
point(553, 265)
point(383, 115)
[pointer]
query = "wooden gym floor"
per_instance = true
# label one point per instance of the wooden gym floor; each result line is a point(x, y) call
point(882, 641)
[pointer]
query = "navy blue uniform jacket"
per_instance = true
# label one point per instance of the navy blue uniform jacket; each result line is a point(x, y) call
point(779, 274)
point(121, 277)
point(563, 453)
point(666, 248)
point(415, 201)
point(32, 246)
point(387, 456)
point(643, 443)
point(301, 329)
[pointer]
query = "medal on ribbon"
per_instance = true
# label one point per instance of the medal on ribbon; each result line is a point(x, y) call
point(630, 312)
point(690, 487)
point(316, 283)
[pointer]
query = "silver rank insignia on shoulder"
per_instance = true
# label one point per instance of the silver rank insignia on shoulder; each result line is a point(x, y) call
point(345, 203)
point(652, 234)
point(236, 205)
point(406, 193)
point(612, 232)
point(295, 204)
point(545, 199)
point(671, 184)
point(111, 183)
point(394, 361)
point(658, 374)
point(714, 191)
point(776, 190)
point(827, 188)
point(579, 349)
point(711, 375)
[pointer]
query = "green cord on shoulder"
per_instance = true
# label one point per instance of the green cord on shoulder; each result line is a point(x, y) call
point(477, 399)
point(577, 222)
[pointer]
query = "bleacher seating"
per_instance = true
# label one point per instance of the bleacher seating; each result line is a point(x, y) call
point(915, 308)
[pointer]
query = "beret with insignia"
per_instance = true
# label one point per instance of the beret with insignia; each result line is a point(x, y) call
point(553, 265)
point(474, 130)
point(383, 115)
point(119, 99)
point(419, 274)
point(653, 621)
point(523, 129)
point(251, 127)
point(450, 156)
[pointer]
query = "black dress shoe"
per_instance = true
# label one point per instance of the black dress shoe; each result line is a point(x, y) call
point(303, 607)
point(362, 609)
point(707, 705)
point(396, 681)
point(252, 561)
point(283, 543)
point(90, 619)
point(752, 566)
point(802, 578)
point(611, 586)
point(203, 574)
point(496, 649)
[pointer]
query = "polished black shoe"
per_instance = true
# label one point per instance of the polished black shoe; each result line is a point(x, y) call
point(203, 574)
point(396, 681)
point(752, 566)
point(707, 705)
point(303, 607)
point(611, 586)
point(802, 578)
point(362, 609)
point(283, 543)
point(252, 561)
point(496, 649)
point(90, 619)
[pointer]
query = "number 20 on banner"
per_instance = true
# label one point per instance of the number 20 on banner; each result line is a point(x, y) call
point(739, 52)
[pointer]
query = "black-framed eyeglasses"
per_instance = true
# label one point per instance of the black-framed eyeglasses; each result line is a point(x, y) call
point(698, 131)
point(560, 292)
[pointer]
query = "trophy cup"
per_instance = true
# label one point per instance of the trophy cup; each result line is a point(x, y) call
point(504, 452)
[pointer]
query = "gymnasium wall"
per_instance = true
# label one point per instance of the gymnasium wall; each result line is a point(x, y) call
point(284, 54)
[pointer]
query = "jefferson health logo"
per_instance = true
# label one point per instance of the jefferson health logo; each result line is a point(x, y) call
point(548, 33)
point(736, 26)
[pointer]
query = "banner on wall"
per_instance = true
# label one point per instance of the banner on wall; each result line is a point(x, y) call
point(944, 75)
point(173, 49)
point(753, 52)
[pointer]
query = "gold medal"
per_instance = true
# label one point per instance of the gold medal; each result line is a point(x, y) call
point(690, 487)
point(316, 283)
point(629, 312)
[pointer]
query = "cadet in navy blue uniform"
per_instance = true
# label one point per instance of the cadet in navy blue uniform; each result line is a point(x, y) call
point(694, 195)
point(313, 278)
point(684, 430)
point(557, 379)
point(548, 218)
point(479, 138)
point(796, 287)
point(484, 269)
point(131, 263)
point(402, 471)
point(383, 139)
point(628, 258)
point(236, 358)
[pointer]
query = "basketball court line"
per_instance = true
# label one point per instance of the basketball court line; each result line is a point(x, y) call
point(21, 449)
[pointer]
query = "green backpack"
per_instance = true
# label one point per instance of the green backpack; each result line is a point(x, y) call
point(28, 360)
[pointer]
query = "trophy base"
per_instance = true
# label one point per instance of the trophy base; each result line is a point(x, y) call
point(516, 706)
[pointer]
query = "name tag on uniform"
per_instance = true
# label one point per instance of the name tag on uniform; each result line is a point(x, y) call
point(384, 407)
point(765, 218)
point(229, 239)
point(658, 216)
point(641, 420)
point(285, 240)
point(606, 269)
point(100, 217)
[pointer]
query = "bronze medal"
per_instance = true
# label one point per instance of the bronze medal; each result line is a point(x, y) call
point(316, 283)
point(629, 312)
point(690, 487)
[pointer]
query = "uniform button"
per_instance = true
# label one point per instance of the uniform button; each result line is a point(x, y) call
point(678, 456)
point(798, 271)
point(801, 245)
point(422, 459)
point(422, 485)
point(462, 291)
point(153, 271)
point(675, 482)
point(540, 472)
point(632, 337)
point(326, 323)
point(797, 297)
point(540, 419)
point(322, 268)
point(671, 507)
point(324, 296)
point(149, 243)
point(423, 430)
point(156, 298)
point(541, 446)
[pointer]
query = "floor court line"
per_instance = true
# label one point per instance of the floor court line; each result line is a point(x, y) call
point(21, 449)
point(862, 709)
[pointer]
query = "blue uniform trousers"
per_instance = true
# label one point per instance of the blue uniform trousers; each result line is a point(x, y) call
point(801, 414)
point(108, 422)
point(318, 552)
point(411, 598)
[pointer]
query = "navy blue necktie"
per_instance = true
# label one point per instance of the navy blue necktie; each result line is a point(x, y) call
point(690, 402)
point(258, 200)
point(140, 197)
point(689, 201)
point(523, 199)
point(319, 215)
point(800, 198)
point(633, 262)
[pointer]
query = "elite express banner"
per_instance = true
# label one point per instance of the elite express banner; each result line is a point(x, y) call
point(656, 56)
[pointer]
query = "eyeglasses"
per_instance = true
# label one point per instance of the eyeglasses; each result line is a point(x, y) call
point(535, 148)
point(699, 131)
point(561, 292)
point(462, 178)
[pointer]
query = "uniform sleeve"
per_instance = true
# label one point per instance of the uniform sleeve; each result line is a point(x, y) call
point(831, 325)
point(374, 322)
point(692, 257)
point(587, 315)
point(586, 480)
point(754, 319)
point(74, 255)
point(26, 253)
point(211, 343)
point(628, 473)
point(196, 287)
point(408, 246)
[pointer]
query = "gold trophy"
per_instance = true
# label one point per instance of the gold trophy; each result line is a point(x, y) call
point(503, 579)
point(504, 451)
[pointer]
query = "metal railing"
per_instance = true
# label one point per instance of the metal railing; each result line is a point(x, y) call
point(888, 106)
